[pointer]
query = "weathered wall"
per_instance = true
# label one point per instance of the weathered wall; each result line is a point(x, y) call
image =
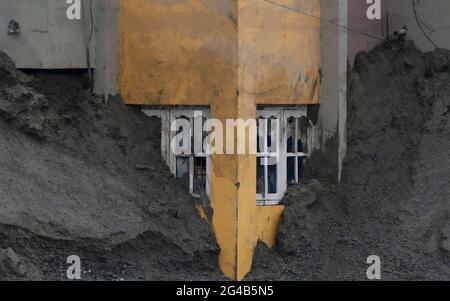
point(107, 47)
point(48, 39)
point(433, 15)
point(358, 22)
point(200, 39)
point(178, 52)
point(186, 53)
point(332, 123)
point(231, 55)
point(279, 48)
point(279, 63)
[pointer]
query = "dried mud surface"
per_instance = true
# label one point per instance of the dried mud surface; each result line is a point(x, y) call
point(78, 176)
point(81, 177)
point(394, 199)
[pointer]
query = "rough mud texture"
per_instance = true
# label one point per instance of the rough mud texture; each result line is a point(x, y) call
point(80, 177)
point(394, 200)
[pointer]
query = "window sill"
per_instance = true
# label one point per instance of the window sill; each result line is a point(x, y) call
point(268, 203)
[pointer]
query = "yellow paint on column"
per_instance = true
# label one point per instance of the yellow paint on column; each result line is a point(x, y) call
point(278, 62)
point(184, 52)
point(247, 218)
point(224, 196)
point(268, 222)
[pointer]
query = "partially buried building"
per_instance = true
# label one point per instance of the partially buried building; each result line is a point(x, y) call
point(281, 64)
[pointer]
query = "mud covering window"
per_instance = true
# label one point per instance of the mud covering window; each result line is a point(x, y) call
point(297, 146)
point(284, 140)
point(283, 144)
point(268, 169)
point(192, 165)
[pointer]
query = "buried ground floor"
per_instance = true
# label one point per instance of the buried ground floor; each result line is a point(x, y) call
point(282, 141)
point(239, 170)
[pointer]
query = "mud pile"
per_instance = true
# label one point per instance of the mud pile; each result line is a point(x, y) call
point(394, 199)
point(81, 177)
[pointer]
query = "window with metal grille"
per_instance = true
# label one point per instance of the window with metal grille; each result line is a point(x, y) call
point(284, 142)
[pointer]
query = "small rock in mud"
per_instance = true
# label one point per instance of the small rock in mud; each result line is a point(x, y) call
point(11, 267)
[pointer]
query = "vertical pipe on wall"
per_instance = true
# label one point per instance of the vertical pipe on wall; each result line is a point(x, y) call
point(342, 97)
point(332, 115)
point(107, 44)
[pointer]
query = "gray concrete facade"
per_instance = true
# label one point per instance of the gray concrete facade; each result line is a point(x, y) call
point(365, 33)
point(107, 47)
point(433, 16)
point(332, 122)
point(47, 38)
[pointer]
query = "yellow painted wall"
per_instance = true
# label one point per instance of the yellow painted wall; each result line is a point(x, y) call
point(279, 63)
point(281, 51)
point(231, 55)
point(177, 51)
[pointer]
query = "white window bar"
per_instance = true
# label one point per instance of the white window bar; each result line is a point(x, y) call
point(283, 151)
point(265, 156)
point(189, 114)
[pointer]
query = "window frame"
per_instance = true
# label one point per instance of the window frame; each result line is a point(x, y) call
point(282, 113)
point(297, 115)
point(271, 198)
point(172, 158)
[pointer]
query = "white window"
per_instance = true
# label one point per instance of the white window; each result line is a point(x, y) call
point(297, 144)
point(192, 167)
point(284, 142)
point(269, 168)
point(281, 152)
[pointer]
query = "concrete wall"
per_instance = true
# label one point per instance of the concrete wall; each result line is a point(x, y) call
point(435, 20)
point(358, 22)
point(107, 47)
point(48, 39)
point(332, 123)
